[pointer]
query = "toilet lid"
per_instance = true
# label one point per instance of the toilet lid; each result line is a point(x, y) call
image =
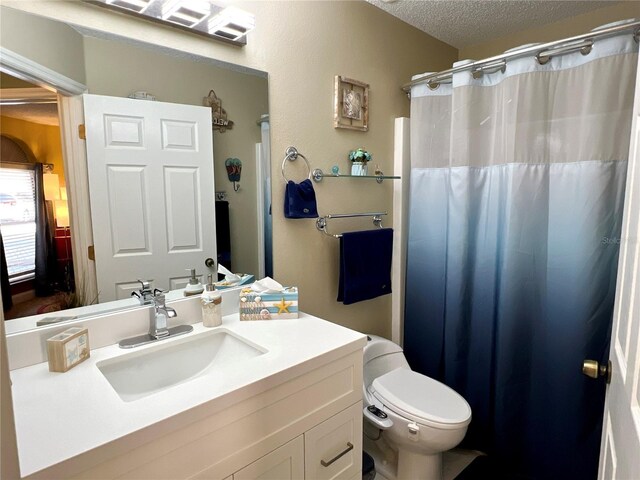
point(421, 399)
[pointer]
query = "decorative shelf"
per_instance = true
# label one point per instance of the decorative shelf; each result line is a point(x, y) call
point(318, 175)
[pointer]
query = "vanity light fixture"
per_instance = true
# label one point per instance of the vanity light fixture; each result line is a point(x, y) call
point(232, 23)
point(204, 17)
point(138, 6)
point(186, 12)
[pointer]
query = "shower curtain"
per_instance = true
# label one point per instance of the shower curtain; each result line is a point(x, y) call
point(517, 187)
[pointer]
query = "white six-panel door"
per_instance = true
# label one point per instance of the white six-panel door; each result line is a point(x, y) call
point(620, 448)
point(152, 192)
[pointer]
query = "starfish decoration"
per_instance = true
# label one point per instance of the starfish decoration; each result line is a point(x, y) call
point(283, 307)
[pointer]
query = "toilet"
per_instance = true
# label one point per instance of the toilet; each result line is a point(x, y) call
point(417, 417)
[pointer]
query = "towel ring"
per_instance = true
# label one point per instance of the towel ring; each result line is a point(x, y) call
point(292, 154)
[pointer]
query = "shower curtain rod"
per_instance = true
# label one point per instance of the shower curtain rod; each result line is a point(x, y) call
point(543, 54)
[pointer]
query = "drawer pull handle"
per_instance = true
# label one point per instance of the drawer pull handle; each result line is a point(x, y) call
point(341, 454)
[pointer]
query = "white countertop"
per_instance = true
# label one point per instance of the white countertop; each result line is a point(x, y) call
point(61, 415)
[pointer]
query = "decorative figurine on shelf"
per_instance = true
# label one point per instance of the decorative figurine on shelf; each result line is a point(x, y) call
point(335, 170)
point(359, 159)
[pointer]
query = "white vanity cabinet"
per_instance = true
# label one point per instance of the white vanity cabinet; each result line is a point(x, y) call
point(304, 422)
point(284, 463)
point(331, 450)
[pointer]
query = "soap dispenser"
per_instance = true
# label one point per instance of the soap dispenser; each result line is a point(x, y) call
point(211, 305)
point(194, 287)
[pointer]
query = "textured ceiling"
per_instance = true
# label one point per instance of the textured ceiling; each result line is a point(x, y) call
point(461, 23)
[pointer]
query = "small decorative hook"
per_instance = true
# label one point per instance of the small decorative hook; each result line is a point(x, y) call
point(234, 169)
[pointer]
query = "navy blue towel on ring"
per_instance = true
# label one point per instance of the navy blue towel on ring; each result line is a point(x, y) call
point(365, 265)
point(300, 200)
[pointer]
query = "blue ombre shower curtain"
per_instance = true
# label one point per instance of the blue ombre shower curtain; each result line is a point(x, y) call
point(517, 187)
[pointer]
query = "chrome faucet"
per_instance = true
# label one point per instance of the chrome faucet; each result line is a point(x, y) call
point(158, 327)
point(158, 316)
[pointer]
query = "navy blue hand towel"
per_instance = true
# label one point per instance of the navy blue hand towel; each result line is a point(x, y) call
point(300, 200)
point(365, 265)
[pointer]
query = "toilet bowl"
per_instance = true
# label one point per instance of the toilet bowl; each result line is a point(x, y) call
point(417, 416)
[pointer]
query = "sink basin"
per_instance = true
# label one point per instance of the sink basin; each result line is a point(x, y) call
point(142, 373)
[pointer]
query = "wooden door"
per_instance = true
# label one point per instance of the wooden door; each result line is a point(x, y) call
point(152, 192)
point(620, 447)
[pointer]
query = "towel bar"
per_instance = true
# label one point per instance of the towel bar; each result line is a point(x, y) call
point(321, 223)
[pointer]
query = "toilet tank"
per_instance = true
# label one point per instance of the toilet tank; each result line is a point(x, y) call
point(381, 356)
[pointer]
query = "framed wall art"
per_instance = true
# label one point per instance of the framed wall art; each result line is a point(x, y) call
point(351, 104)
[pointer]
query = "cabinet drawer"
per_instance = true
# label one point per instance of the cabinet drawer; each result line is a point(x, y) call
point(333, 449)
point(284, 463)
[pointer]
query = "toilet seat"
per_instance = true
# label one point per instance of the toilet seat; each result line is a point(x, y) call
point(421, 399)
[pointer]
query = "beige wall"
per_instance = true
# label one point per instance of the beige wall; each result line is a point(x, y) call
point(179, 80)
point(303, 45)
point(43, 141)
point(28, 37)
point(554, 31)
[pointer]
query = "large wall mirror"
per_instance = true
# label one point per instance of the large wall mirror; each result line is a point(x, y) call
point(33, 185)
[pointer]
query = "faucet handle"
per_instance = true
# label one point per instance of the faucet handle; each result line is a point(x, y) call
point(144, 294)
point(158, 297)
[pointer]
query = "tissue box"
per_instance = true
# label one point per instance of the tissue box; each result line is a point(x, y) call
point(244, 279)
point(269, 306)
point(67, 349)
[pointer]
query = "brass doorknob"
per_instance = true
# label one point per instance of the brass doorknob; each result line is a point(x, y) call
point(591, 368)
